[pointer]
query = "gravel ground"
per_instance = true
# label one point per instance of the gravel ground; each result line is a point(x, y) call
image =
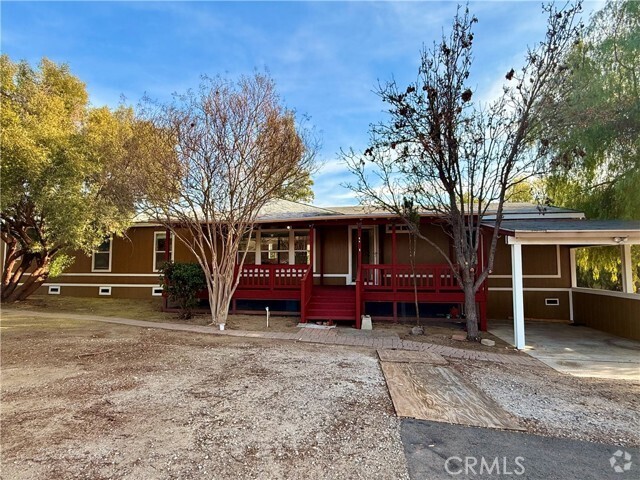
point(559, 405)
point(100, 401)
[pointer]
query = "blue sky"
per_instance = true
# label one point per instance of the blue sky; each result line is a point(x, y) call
point(326, 57)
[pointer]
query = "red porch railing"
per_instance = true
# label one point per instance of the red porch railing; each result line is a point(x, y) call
point(271, 277)
point(306, 291)
point(394, 278)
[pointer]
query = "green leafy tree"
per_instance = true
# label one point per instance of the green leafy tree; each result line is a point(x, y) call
point(68, 172)
point(182, 282)
point(596, 147)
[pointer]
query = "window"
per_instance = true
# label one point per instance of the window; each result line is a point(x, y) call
point(301, 252)
point(104, 291)
point(54, 290)
point(274, 248)
point(159, 249)
point(250, 259)
point(400, 228)
point(156, 291)
point(102, 257)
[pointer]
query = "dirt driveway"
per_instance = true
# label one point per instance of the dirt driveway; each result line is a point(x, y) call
point(87, 400)
point(94, 400)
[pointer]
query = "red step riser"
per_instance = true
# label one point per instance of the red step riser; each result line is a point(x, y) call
point(340, 313)
point(332, 296)
point(332, 301)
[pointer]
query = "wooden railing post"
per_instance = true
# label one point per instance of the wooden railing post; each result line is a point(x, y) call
point(272, 276)
point(358, 299)
point(394, 259)
point(303, 300)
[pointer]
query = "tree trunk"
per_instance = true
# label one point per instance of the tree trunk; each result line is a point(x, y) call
point(10, 290)
point(10, 263)
point(412, 254)
point(33, 282)
point(471, 312)
point(220, 287)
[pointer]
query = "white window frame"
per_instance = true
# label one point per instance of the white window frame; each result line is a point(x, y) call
point(54, 290)
point(104, 291)
point(155, 245)
point(93, 258)
point(292, 249)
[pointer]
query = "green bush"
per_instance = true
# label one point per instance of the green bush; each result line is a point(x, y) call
point(182, 282)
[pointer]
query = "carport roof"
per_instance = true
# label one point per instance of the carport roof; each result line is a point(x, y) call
point(570, 231)
point(569, 225)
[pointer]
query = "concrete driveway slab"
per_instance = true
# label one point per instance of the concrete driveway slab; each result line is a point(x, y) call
point(577, 350)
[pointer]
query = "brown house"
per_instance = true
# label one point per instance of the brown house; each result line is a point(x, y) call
point(343, 262)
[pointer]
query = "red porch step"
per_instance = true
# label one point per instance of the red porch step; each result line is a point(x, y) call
point(332, 303)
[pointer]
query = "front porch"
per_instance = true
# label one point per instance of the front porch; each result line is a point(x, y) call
point(338, 269)
point(349, 302)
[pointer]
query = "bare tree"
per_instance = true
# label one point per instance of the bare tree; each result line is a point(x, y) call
point(442, 154)
point(233, 148)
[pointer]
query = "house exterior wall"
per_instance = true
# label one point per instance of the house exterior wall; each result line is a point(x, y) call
point(547, 275)
point(332, 254)
point(425, 253)
point(132, 268)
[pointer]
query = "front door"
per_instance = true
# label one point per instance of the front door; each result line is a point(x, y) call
point(369, 254)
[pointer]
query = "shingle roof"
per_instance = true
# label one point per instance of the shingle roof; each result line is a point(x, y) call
point(288, 210)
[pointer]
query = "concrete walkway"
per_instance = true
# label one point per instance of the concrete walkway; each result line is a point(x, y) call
point(577, 350)
point(335, 336)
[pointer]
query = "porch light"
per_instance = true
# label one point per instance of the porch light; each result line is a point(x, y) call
point(620, 239)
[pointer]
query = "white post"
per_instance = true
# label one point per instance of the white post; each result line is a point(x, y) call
point(574, 271)
point(627, 272)
point(518, 295)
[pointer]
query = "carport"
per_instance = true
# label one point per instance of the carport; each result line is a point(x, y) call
point(614, 312)
point(578, 350)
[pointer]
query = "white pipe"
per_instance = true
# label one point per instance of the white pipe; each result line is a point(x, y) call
point(267, 309)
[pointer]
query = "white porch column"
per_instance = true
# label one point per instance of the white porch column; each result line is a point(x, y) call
point(574, 280)
point(627, 272)
point(518, 295)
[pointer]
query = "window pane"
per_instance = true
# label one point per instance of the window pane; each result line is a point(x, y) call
point(101, 261)
point(104, 246)
point(274, 241)
point(160, 242)
point(274, 258)
point(159, 260)
point(301, 242)
point(250, 259)
point(302, 258)
point(251, 242)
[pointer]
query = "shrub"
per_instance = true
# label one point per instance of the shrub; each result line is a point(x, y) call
point(182, 282)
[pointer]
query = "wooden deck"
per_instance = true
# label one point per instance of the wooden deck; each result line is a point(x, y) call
point(437, 393)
